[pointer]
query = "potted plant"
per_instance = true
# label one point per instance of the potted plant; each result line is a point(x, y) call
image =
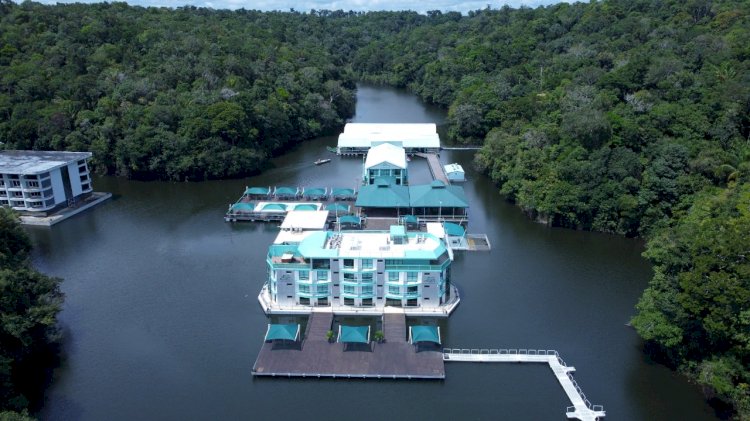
point(379, 336)
point(329, 336)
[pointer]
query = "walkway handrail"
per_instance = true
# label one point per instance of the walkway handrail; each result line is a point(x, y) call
point(479, 353)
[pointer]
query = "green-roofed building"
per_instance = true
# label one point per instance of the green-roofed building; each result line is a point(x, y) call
point(383, 198)
point(438, 199)
point(361, 269)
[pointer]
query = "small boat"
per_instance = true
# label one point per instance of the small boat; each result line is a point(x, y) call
point(322, 161)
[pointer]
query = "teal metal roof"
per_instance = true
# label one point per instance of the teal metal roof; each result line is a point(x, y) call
point(287, 191)
point(342, 192)
point(313, 246)
point(274, 207)
point(337, 207)
point(305, 207)
point(424, 334)
point(314, 191)
point(398, 231)
point(410, 219)
point(350, 219)
point(289, 332)
point(454, 230)
point(354, 334)
point(437, 194)
point(243, 207)
point(383, 194)
point(276, 250)
point(258, 190)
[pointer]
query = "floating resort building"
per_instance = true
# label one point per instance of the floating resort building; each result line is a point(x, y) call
point(386, 161)
point(41, 181)
point(358, 138)
point(353, 271)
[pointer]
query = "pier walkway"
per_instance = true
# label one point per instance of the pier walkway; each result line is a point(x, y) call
point(435, 167)
point(582, 408)
point(394, 327)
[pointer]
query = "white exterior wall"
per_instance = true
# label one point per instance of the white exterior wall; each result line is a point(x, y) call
point(58, 189)
point(75, 179)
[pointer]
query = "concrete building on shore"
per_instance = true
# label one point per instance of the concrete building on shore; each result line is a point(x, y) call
point(43, 181)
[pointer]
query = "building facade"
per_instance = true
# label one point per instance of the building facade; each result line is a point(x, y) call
point(371, 269)
point(40, 181)
point(386, 161)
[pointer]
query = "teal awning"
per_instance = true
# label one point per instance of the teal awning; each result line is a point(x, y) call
point(410, 219)
point(259, 191)
point(288, 332)
point(243, 207)
point(337, 207)
point(424, 334)
point(274, 207)
point(343, 193)
point(354, 334)
point(350, 219)
point(286, 191)
point(454, 230)
point(314, 191)
point(306, 207)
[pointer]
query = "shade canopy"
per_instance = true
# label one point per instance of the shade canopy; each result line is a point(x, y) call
point(454, 230)
point(306, 207)
point(258, 190)
point(410, 219)
point(424, 334)
point(243, 207)
point(354, 334)
point(286, 191)
point(341, 193)
point(337, 207)
point(274, 207)
point(315, 191)
point(289, 332)
point(350, 219)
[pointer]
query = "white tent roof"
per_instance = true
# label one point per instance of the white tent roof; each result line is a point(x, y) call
point(453, 168)
point(362, 135)
point(386, 152)
point(305, 220)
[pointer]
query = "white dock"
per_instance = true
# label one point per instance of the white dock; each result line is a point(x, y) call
point(582, 409)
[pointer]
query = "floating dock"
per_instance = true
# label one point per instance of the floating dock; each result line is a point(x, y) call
point(316, 357)
point(582, 409)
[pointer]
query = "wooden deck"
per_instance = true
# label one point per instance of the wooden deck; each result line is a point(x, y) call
point(435, 167)
point(394, 327)
point(316, 357)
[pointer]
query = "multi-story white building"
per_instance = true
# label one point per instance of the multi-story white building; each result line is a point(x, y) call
point(361, 270)
point(40, 181)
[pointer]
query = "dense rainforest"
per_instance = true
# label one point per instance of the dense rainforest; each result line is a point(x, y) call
point(29, 303)
point(627, 117)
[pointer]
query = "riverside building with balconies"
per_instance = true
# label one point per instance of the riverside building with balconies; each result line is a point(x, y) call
point(40, 181)
point(361, 272)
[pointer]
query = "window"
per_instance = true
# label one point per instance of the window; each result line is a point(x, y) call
point(348, 289)
point(348, 301)
point(323, 301)
point(411, 303)
point(350, 277)
point(17, 194)
point(321, 264)
point(367, 302)
point(348, 263)
point(304, 289)
point(304, 275)
point(411, 276)
point(394, 289)
point(412, 290)
point(32, 184)
point(366, 263)
point(322, 289)
point(304, 301)
point(367, 290)
point(322, 275)
point(15, 183)
point(393, 276)
point(367, 277)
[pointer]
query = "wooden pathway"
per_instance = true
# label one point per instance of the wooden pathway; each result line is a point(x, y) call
point(435, 167)
point(582, 408)
point(394, 327)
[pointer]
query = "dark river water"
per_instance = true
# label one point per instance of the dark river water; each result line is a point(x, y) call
point(162, 321)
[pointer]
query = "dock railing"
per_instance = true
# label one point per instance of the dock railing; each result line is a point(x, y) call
point(524, 355)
